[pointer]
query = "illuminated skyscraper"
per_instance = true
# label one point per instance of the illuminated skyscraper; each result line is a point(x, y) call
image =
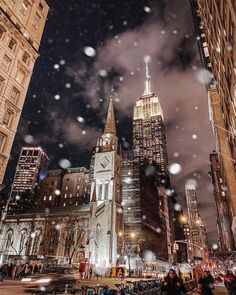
point(30, 171)
point(197, 233)
point(21, 27)
point(215, 23)
point(149, 139)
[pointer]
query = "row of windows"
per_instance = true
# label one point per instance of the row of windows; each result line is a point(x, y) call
point(14, 93)
point(20, 74)
point(12, 45)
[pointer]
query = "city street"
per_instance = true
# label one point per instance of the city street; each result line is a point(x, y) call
point(9, 287)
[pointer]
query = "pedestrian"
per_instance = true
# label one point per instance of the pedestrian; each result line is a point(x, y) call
point(206, 284)
point(230, 282)
point(172, 284)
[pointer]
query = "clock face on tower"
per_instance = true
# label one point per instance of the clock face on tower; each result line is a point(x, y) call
point(104, 162)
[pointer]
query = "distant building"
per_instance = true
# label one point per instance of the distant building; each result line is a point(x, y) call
point(197, 247)
point(215, 23)
point(31, 170)
point(62, 188)
point(21, 28)
point(226, 240)
point(50, 190)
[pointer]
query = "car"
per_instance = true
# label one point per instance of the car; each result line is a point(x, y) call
point(218, 280)
point(53, 279)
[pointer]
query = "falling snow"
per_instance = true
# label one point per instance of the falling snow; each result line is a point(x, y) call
point(89, 51)
point(64, 163)
point(175, 168)
point(28, 139)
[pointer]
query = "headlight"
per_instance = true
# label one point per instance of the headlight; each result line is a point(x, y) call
point(26, 280)
point(43, 281)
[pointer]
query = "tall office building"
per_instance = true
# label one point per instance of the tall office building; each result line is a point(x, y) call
point(130, 176)
point(21, 27)
point(226, 241)
point(144, 176)
point(215, 22)
point(197, 233)
point(149, 139)
point(31, 170)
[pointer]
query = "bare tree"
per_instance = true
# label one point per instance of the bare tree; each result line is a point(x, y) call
point(74, 238)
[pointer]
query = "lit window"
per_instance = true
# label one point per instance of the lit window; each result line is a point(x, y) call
point(78, 187)
point(50, 198)
point(12, 44)
point(44, 198)
point(7, 118)
point(2, 31)
point(2, 140)
point(65, 196)
point(14, 95)
point(66, 188)
point(6, 63)
point(20, 76)
point(25, 58)
point(70, 195)
point(64, 204)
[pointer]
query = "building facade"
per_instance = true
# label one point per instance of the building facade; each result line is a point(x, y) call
point(145, 177)
point(149, 139)
point(65, 187)
point(31, 170)
point(215, 22)
point(106, 196)
point(92, 231)
point(197, 247)
point(21, 27)
point(226, 240)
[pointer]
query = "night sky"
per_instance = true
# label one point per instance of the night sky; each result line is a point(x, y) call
point(66, 102)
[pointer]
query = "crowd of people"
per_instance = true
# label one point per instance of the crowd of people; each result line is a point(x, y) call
point(173, 283)
point(12, 270)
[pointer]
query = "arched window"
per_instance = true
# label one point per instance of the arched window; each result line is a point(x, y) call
point(100, 192)
point(69, 242)
point(53, 242)
point(23, 236)
point(36, 241)
point(106, 190)
point(9, 238)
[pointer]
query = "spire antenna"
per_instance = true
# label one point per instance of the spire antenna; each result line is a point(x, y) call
point(110, 126)
point(147, 83)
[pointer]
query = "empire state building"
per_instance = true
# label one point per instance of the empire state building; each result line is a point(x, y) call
point(149, 139)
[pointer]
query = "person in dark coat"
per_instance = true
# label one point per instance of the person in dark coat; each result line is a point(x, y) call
point(230, 282)
point(206, 284)
point(172, 284)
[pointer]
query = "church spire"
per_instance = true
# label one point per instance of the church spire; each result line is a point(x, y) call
point(110, 126)
point(147, 83)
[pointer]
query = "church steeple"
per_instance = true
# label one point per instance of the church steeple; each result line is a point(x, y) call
point(110, 126)
point(147, 83)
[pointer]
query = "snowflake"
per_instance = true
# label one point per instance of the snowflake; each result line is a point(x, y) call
point(89, 51)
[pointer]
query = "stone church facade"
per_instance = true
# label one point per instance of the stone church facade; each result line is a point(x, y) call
point(70, 234)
